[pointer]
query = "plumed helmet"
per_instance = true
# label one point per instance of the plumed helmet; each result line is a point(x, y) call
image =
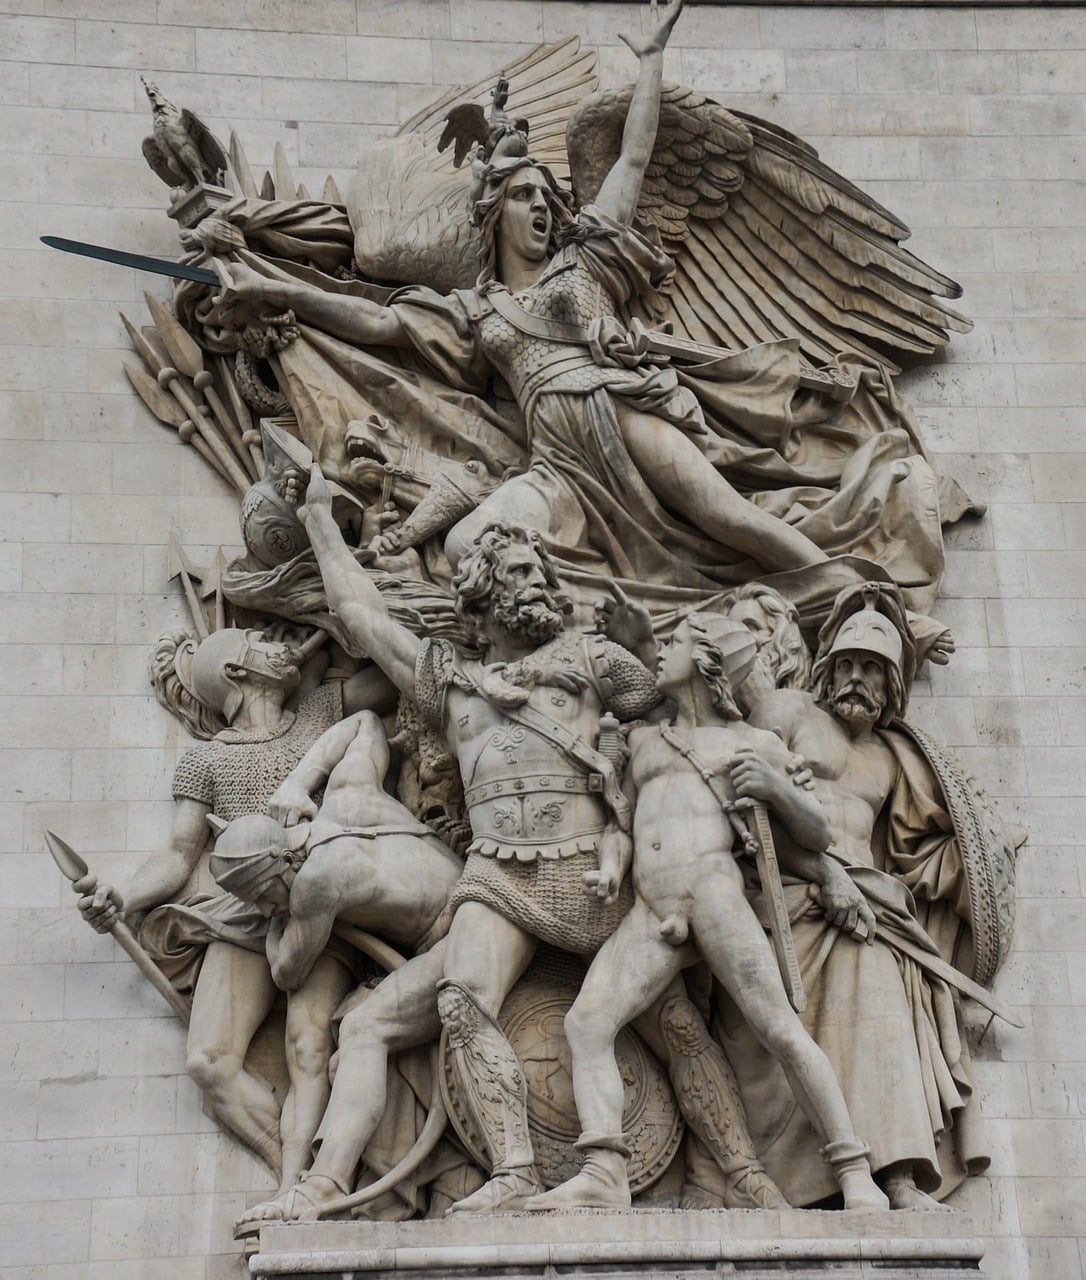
point(249, 850)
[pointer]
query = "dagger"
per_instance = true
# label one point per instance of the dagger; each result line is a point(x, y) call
point(75, 869)
point(140, 261)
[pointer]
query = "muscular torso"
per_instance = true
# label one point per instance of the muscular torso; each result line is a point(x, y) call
point(851, 779)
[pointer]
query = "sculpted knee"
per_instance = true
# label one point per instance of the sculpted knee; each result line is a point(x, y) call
point(589, 1022)
point(213, 1070)
point(310, 1049)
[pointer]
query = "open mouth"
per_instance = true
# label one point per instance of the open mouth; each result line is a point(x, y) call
point(360, 447)
point(541, 225)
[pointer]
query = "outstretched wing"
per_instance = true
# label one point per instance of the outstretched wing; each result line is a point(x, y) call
point(465, 126)
point(410, 205)
point(769, 242)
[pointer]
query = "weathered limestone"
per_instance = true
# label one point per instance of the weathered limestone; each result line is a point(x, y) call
point(963, 122)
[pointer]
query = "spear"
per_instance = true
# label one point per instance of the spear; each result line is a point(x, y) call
point(76, 870)
point(187, 357)
point(181, 567)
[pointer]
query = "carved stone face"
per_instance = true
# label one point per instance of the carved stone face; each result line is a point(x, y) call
point(524, 225)
point(860, 687)
point(675, 666)
point(272, 897)
point(272, 660)
point(522, 604)
point(751, 614)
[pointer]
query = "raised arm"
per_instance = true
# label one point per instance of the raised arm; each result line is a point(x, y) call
point(622, 187)
point(246, 292)
point(351, 594)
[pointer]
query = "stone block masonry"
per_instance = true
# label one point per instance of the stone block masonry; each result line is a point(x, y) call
point(967, 123)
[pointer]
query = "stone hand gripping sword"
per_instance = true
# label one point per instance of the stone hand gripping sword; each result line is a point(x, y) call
point(757, 839)
point(76, 870)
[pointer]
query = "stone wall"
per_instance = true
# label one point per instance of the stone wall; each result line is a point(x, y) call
point(967, 123)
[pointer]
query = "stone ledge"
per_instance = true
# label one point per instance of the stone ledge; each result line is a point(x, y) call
point(802, 1245)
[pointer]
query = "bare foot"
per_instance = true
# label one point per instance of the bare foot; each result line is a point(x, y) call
point(301, 1203)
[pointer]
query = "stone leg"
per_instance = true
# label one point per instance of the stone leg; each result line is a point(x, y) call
point(400, 1013)
point(309, 1049)
point(709, 1099)
point(631, 969)
point(737, 950)
point(234, 994)
point(486, 955)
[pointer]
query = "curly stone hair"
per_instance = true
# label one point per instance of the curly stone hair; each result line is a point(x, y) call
point(786, 651)
point(481, 567)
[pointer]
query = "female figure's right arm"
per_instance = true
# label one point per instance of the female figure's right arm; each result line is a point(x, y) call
point(355, 320)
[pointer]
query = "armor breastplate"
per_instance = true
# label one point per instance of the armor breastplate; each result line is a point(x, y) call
point(524, 798)
point(571, 295)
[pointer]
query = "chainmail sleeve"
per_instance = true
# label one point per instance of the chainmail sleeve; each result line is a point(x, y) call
point(433, 675)
point(627, 687)
point(194, 777)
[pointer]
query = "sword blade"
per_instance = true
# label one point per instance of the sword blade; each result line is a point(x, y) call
point(140, 261)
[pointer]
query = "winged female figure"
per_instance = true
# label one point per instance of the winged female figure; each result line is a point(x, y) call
point(662, 460)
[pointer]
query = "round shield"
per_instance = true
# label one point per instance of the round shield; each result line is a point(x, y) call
point(532, 1019)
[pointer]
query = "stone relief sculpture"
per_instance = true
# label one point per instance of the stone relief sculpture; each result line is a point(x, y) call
point(495, 440)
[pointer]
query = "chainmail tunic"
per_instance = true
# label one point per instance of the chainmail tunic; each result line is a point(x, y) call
point(541, 893)
point(234, 775)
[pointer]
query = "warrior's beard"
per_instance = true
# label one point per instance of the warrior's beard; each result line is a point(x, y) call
point(526, 617)
point(856, 704)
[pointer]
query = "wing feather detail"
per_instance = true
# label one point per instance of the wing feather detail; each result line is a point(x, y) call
point(769, 241)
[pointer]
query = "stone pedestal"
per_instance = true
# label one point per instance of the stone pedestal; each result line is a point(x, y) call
point(800, 1245)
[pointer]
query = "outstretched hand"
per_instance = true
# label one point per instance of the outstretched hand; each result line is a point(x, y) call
point(624, 621)
point(656, 40)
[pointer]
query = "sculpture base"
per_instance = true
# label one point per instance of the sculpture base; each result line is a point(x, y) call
point(620, 1245)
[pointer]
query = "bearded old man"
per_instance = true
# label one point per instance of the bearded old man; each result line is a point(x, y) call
point(519, 719)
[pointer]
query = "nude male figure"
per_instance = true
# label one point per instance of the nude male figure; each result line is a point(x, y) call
point(689, 887)
point(368, 863)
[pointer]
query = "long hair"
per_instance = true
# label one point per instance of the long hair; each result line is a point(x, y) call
point(487, 212)
point(481, 567)
point(785, 651)
point(710, 662)
point(171, 652)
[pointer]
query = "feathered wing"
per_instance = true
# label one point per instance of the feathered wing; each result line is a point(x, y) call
point(410, 206)
point(209, 147)
point(769, 242)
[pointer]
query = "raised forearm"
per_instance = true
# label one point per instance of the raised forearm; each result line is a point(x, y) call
point(356, 601)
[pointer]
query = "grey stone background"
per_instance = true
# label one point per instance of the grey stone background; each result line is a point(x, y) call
point(967, 123)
